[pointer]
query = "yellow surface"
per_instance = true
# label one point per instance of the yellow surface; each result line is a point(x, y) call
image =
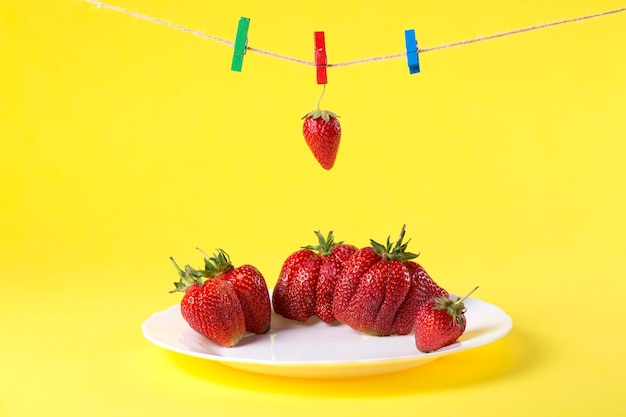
point(125, 142)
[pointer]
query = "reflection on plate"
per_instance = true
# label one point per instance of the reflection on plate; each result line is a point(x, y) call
point(318, 349)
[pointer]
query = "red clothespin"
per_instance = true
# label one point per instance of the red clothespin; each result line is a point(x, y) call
point(320, 58)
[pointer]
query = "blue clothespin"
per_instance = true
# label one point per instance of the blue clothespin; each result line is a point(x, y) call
point(241, 44)
point(412, 51)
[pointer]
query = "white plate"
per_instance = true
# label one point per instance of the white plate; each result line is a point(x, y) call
point(317, 349)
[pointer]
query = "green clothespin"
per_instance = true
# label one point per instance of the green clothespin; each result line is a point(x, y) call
point(241, 44)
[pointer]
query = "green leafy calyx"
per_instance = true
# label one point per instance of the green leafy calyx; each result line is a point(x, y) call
point(325, 245)
point(397, 251)
point(186, 277)
point(215, 265)
point(324, 114)
point(455, 308)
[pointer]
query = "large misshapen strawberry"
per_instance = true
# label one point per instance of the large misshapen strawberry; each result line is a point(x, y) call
point(422, 288)
point(249, 286)
point(380, 289)
point(439, 322)
point(210, 308)
point(308, 277)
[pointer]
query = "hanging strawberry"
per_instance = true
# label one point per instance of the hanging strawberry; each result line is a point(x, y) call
point(322, 133)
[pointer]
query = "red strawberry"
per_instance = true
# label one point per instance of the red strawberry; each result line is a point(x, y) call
point(308, 277)
point(294, 292)
point(330, 271)
point(211, 308)
point(374, 293)
point(422, 287)
point(322, 132)
point(249, 285)
point(439, 322)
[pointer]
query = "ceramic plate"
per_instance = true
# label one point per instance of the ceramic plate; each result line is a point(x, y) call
point(318, 349)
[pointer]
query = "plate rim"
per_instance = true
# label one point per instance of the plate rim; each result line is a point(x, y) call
point(503, 327)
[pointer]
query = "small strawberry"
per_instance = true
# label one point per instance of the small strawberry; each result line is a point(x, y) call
point(249, 285)
point(210, 308)
point(373, 288)
point(307, 280)
point(439, 322)
point(322, 132)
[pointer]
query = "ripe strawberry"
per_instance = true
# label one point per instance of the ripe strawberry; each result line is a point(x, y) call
point(422, 288)
point(322, 132)
point(211, 308)
point(439, 322)
point(374, 294)
point(307, 280)
point(249, 285)
point(330, 271)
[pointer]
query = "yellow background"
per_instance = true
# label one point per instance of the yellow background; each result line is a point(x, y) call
point(125, 142)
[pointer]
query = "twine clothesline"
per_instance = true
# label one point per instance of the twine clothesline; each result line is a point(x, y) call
point(356, 61)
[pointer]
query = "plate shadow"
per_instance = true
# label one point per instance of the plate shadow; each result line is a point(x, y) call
point(514, 353)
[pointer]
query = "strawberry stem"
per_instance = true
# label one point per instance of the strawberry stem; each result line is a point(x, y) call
point(318, 112)
point(460, 300)
point(399, 241)
point(455, 309)
point(320, 98)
